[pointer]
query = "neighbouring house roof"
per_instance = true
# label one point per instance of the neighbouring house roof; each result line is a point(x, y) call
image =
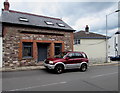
point(90, 35)
point(22, 18)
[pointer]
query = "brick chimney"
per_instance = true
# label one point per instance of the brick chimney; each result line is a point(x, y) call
point(87, 29)
point(6, 5)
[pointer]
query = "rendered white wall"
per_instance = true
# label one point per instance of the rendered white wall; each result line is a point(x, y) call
point(111, 45)
point(119, 44)
point(0, 43)
point(94, 48)
point(0, 51)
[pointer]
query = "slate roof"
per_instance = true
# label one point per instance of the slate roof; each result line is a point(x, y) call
point(83, 35)
point(33, 20)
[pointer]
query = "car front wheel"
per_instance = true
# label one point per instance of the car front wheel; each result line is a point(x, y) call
point(59, 69)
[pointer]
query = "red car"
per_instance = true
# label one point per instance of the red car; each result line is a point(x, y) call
point(67, 60)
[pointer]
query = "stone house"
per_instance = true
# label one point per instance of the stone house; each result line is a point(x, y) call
point(29, 39)
point(93, 44)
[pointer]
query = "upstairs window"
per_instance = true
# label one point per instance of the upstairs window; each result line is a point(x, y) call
point(76, 41)
point(23, 19)
point(60, 24)
point(49, 23)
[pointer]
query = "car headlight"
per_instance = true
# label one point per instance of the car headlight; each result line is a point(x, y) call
point(50, 62)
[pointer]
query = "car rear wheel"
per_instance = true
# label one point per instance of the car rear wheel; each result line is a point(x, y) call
point(83, 67)
point(59, 69)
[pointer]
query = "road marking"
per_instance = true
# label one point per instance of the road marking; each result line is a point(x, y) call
point(37, 86)
point(104, 75)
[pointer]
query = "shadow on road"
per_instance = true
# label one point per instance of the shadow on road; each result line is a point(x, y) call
point(65, 71)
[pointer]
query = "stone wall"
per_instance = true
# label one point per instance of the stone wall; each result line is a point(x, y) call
point(12, 38)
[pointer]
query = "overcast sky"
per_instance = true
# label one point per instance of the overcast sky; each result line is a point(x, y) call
point(77, 14)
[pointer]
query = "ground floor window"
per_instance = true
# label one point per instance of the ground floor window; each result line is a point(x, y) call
point(27, 50)
point(76, 41)
point(58, 48)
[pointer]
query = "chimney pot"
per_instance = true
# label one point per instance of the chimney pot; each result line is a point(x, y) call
point(87, 29)
point(6, 5)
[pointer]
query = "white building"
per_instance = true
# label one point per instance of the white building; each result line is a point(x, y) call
point(114, 45)
point(94, 45)
point(0, 43)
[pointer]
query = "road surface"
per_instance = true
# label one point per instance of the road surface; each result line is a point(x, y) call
point(96, 78)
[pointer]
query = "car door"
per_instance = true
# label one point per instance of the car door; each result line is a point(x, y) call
point(70, 62)
point(78, 59)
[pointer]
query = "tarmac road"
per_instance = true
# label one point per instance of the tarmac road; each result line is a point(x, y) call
point(96, 78)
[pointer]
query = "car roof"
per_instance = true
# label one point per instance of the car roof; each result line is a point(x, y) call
point(73, 52)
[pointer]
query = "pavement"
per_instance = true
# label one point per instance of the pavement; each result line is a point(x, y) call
point(7, 69)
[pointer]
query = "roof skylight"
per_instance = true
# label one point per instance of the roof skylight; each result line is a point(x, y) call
point(60, 24)
point(23, 19)
point(49, 23)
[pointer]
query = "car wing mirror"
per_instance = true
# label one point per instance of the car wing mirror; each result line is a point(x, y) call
point(66, 58)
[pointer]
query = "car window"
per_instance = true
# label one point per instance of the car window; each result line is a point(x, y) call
point(84, 55)
point(78, 55)
point(71, 55)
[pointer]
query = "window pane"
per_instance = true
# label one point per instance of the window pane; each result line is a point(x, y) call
point(78, 55)
point(49, 23)
point(75, 41)
point(78, 41)
point(60, 24)
point(58, 48)
point(23, 19)
point(27, 49)
point(71, 55)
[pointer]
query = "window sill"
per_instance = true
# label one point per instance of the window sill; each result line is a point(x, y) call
point(27, 58)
